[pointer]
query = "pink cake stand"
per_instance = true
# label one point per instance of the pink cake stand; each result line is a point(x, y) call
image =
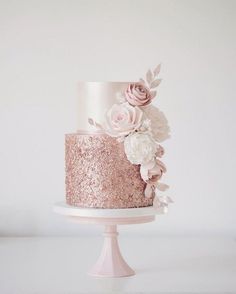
point(110, 263)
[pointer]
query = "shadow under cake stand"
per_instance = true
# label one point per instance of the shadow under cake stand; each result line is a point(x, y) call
point(110, 263)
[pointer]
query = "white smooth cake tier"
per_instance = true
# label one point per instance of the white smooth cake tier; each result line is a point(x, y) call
point(94, 99)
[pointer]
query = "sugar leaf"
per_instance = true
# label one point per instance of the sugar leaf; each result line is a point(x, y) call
point(91, 121)
point(155, 83)
point(149, 76)
point(95, 124)
point(142, 81)
point(153, 94)
point(162, 187)
point(157, 70)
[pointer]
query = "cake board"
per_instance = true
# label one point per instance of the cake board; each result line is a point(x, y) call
point(110, 263)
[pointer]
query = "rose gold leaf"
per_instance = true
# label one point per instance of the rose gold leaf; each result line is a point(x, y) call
point(91, 121)
point(157, 70)
point(149, 76)
point(155, 83)
point(169, 199)
point(162, 187)
point(98, 126)
point(153, 94)
point(142, 81)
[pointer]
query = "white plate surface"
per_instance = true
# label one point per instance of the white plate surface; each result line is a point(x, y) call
point(65, 209)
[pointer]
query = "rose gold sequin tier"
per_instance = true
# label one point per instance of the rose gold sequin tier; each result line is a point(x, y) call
point(99, 175)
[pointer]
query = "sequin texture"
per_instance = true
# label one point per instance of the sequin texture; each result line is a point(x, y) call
point(99, 175)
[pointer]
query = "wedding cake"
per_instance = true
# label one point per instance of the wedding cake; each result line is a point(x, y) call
point(113, 159)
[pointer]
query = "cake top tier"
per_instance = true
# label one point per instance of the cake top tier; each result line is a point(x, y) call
point(95, 98)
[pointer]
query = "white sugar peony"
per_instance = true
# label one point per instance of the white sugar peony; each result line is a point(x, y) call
point(159, 123)
point(140, 148)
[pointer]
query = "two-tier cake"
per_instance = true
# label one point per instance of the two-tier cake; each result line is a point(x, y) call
point(113, 160)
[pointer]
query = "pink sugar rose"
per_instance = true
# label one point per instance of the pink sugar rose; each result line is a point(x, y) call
point(152, 171)
point(122, 119)
point(137, 94)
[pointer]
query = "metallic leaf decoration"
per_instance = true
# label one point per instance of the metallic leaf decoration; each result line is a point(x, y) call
point(155, 83)
point(157, 70)
point(149, 76)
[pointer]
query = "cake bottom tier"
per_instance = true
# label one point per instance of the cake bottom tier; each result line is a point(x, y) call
point(99, 175)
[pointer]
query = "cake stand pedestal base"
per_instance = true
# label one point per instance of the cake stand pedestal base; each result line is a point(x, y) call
point(110, 263)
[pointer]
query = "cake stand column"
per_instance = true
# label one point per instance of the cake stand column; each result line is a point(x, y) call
point(111, 262)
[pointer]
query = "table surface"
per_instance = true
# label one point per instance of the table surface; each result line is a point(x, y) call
point(163, 265)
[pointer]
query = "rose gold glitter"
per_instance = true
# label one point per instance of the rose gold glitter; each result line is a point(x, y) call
point(98, 174)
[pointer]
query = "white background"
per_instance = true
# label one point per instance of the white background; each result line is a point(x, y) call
point(47, 46)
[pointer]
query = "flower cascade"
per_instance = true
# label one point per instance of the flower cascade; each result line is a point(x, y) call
point(142, 127)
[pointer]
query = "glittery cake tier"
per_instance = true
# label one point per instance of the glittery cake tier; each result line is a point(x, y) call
point(99, 175)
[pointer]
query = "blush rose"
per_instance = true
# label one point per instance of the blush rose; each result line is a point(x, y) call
point(122, 119)
point(137, 94)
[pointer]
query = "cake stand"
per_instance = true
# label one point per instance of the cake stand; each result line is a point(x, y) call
point(110, 263)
